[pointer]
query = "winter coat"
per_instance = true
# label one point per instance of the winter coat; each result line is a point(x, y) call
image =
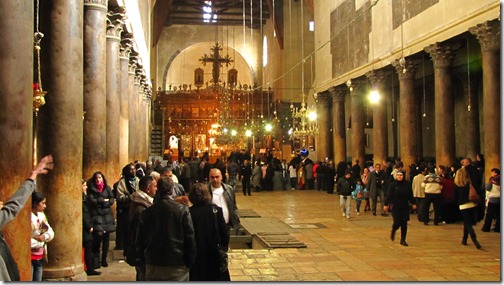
point(87, 221)
point(101, 211)
point(139, 202)
point(165, 235)
point(256, 176)
point(206, 266)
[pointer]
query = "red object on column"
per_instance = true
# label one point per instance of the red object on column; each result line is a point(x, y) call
point(83, 260)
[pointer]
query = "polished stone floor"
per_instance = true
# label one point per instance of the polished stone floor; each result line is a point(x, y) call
point(357, 249)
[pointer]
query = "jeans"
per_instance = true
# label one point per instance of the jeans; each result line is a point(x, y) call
point(345, 205)
point(232, 181)
point(36, 270)
point(379, 193)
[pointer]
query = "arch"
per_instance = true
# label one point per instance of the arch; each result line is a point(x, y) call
point(180, 67)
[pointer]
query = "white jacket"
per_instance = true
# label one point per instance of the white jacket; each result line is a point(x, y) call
point(36, 228)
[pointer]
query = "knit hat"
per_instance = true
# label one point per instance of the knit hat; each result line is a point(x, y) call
point(348, 171)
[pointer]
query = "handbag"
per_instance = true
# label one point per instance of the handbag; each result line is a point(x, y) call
point(222, 256)
point(473, 195)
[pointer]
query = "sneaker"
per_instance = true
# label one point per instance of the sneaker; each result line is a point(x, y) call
point(344, 215)
point(358, 213)
point(348, 217)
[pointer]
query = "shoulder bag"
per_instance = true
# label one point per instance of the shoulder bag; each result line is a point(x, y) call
point(473, 195)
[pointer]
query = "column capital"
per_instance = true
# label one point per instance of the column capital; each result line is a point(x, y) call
point(406, 67)
point(488, 34)
point(378, 77)
point(96, 4)
point(338, 93)
point(115, 23)
point(126, 46)
point(442, 54)
point(358, 86)
point(324, 98)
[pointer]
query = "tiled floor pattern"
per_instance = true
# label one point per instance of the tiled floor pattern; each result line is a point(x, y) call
point(358, 249)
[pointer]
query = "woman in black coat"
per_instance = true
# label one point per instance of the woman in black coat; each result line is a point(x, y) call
point(100, 200)
point(399, 195)
point(206, 267)
point(87, 236)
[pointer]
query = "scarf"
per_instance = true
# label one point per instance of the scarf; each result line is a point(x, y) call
point(100, 186)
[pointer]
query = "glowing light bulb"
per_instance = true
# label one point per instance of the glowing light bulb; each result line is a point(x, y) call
point(374, 97)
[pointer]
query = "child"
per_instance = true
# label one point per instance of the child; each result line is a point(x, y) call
point(357, 194)
point(41, 234)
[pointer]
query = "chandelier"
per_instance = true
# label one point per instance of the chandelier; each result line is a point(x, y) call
point(303, 118)
point(303, 122)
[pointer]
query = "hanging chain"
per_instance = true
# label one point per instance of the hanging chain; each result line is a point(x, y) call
point(468, 78)
point(37, 38)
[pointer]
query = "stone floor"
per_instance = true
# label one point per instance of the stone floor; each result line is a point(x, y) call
point(357, 249)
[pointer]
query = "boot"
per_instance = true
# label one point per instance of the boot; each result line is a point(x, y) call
point(96, 261)
point(464, 239)
point(475, 241)
point(104, 261)
point(403, 242)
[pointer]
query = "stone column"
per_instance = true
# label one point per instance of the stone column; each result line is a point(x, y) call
point(95, 85)
point(16, 41)
point(125, 50)
point(131, 106)
point(147, 100)
point(358, 136)
point(114, 28)
point(134, 115)
point(442, 56)
point(472, 126)
point(488, 34)
point(408, 125)
point(61, 134)
point(339, 129)
point(378, 79)
point(324, 125)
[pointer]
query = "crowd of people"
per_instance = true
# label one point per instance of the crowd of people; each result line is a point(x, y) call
point(173, 222)
point(442, 188)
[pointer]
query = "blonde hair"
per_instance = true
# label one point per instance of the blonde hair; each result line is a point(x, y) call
point(461, 177)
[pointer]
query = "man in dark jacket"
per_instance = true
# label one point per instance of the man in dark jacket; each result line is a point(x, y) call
point(165, 237)
point(140, 200)
point(245, 174)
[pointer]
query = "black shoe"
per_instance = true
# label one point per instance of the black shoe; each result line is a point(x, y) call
point(403, 242)
point(426, 224)
point(464, 242)
point(392, 235)
point(374, 214)
point(104, 263)
point(477, 244)
point(485, 230)
point(93, 272)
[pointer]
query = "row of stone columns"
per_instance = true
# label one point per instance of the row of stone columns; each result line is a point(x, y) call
point(442, 55)
point(85, 124)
